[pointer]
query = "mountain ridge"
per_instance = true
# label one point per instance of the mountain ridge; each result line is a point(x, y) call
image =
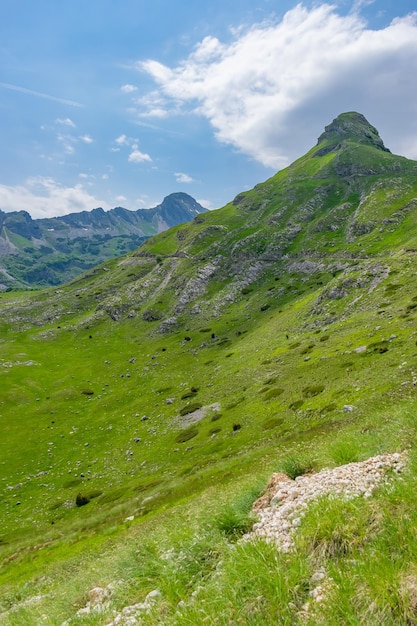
point(46, 251)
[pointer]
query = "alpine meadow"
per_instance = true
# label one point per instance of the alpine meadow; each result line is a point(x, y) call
point(145, 405)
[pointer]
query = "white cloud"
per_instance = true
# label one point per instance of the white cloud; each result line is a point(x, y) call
point(183, 178)
point(65, 122)
point(128, 88)
point(122, 140)
point(68, 142)
point(266, 90)
point(87, 139)
point(207, 204)
point(45, 197)
point(136, 156)
point(120, 198)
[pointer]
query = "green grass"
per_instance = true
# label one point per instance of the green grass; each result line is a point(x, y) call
point(96, 401)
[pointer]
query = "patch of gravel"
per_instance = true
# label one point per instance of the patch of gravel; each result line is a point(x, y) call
point(280, 510)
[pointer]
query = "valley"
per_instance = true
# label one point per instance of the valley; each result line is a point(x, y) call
point(145, 404)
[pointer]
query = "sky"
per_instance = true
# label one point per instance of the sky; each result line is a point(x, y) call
point(122, 102)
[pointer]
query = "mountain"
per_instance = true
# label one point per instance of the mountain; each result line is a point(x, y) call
point(50, 251)
point(145, 404)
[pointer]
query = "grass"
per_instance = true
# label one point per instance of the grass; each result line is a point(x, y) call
point(283, 396)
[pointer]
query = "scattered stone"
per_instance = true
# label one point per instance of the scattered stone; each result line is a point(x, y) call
point(348, 408)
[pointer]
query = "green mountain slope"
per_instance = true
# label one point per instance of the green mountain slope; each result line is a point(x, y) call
point(278, 328)
point(50, 251)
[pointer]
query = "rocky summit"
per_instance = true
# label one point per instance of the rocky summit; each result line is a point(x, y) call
point(145, 405)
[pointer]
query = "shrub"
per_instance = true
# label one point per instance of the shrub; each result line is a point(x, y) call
point(87, 392)
point(296, 404)
point(214, 431)
point(379, 347)
point(274, 392)
point(308, 348)
point(190, 408)
point(81, 500)
point(313, 390)
point(216, 417)
point(328, 408)
point(271, 380)
point(187, 434)
point(189, 394)
point(272, 423)
point(232, 405)
point(324, 338)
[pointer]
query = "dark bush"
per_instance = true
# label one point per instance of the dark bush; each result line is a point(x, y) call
point(81, 500)
point(313, 390)
point(380, 347)
point(236, 427)
point(272, 423)
point(296, 404)
point(232, 405)
point(187, 434)
point(190, 408)
point(274, 392)
point(188, 394)
point(87, 392)
point(328, 408)
point(216, 417)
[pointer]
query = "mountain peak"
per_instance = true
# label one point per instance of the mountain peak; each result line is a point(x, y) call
point(349, 126)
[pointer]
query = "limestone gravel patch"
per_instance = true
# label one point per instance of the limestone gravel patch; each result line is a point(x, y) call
point(280, 512)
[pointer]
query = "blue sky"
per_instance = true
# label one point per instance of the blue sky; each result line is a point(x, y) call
point(106, 103)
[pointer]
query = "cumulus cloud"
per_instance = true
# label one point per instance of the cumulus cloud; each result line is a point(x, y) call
point(265, 90)
point(136, 156)
point(183, 178)
point(45, 197)
point(122, 140)
point(128, 88)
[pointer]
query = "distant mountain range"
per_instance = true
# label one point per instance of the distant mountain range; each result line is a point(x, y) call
point(38, 252)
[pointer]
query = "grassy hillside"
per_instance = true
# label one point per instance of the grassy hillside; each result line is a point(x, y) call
point(144, 405)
